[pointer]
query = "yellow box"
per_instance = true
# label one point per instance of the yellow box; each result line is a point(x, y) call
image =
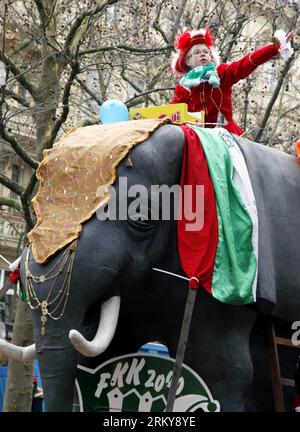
point(176, 112)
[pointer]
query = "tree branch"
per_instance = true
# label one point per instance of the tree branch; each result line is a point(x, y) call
point(10, 139)
point(65, 103)
point(133, 50)
point(89, 91)
point(18, 74)
point(51, 14)
point(154, 80)
point(27, 213)
point(235, 33)
point(22, 101)
point(156, 25)
point(177, 21)
point(141, 97)
point(133, 85)
point(9, 202)
point(26, 201)
point(11, 184)
point(288, 111)
point(204, 16)
point(273, 98)
point(80, 19)
point(30, 186)
point(41, 11)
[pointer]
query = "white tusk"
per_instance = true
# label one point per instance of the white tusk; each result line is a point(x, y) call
point(14, 265)
point(16, 352)
point(106, 330)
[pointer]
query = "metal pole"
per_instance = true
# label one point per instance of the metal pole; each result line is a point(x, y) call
point(183, 339)
point(4, 259)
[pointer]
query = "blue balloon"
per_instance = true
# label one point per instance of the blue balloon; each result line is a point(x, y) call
point(113, 111)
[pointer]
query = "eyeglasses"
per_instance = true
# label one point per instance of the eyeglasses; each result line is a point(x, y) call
point(199, 51)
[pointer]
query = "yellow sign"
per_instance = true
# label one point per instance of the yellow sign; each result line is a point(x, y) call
point(176, 112)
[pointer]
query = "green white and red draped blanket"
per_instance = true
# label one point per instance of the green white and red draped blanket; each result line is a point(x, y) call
point(222, 255)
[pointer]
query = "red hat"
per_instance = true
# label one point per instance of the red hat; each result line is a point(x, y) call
point(185, 42)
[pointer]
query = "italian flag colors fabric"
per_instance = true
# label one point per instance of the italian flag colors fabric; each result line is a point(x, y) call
point(222, 255)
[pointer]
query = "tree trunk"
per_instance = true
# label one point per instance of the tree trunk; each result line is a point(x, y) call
point(18, 394)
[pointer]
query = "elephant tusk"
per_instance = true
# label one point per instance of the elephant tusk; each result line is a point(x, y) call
point(16, 352)
point(105, 333)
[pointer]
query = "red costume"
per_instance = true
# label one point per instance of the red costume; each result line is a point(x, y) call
point(219, 100)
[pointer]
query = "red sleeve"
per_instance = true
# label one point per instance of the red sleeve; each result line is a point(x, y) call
point(181, 95)
point(240, 69)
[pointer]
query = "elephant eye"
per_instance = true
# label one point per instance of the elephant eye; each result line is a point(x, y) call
point(139, 213)
point(140, 223)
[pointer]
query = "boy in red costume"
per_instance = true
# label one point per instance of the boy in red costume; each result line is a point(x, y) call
point(206, 84)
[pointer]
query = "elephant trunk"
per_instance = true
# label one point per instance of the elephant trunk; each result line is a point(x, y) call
point(105, 333)
point(18, 353)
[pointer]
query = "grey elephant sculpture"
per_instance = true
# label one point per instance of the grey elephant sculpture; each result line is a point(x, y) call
point(113, 273)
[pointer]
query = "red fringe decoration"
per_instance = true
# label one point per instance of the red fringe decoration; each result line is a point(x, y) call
point(14, 276)
point(183, 40)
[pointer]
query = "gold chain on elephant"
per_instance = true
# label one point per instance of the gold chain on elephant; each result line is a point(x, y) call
point(54, 305)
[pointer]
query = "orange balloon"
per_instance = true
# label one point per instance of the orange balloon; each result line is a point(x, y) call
point(298, 147)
